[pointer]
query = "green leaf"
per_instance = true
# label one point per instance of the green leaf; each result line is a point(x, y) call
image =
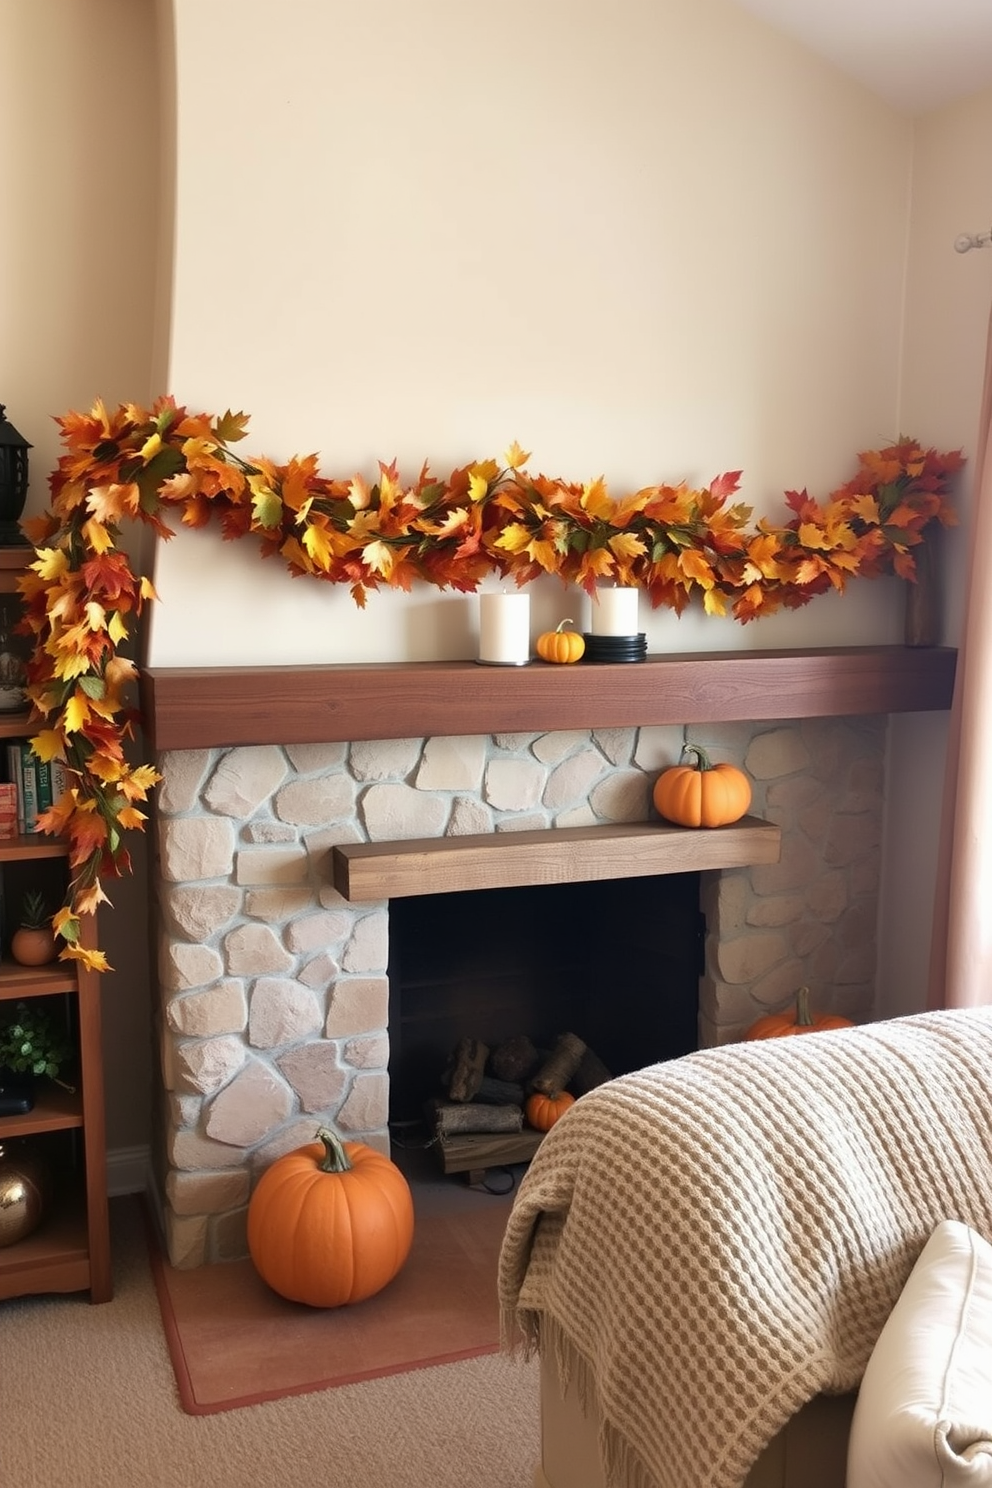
point(93, 687)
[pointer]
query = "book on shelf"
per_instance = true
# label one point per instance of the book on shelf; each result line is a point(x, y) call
point(22, 770)
point(8, 809)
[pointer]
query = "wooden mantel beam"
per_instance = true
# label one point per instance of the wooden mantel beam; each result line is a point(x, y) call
point(207, 707)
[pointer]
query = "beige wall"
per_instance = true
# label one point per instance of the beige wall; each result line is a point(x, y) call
point(649, 240)
point(653, 240)
point(78, 259)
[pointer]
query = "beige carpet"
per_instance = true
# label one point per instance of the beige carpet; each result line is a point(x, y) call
point(234, 1342)
point(88, 1400)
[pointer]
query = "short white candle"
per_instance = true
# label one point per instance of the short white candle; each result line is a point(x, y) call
point(614, 612)
point(504, 629)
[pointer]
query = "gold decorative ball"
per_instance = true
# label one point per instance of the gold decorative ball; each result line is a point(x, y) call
point(24, 1188)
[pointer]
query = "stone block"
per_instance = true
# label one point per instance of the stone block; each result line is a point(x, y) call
point(368, 945)
point(198, 912)
point(183, 773)
point(206, 1193)
point(469, 818)
point(316, 759)
point(280, 865)
point(452, 764)
point(253, 950)
point(183, 966)
point(746, 957)
point(514, 785)
point(315, 1075)
point(357, 1005)
point(394, 811)
point(776, 752)
point(193, 848)
point(227, 1236)
point(551, 748)
point(243, 779)
point(281, 1012)
point(366, 1106)
point(205, 1065)
point(570, 782)
point(384, 759)
point(249, 1107)
point(314, 932)
point(185, 1240)
point(623, 796)
point(316, 802)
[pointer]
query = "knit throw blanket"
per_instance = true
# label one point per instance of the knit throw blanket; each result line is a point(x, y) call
point(711, 1242)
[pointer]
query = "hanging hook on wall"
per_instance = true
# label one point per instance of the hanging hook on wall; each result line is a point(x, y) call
point(966, 241)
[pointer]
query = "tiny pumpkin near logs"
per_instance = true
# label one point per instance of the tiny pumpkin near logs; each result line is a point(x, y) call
point(797, 1019)
point(701, 794)
point(330, 1223)
point(561, 645)
point(542, 1111)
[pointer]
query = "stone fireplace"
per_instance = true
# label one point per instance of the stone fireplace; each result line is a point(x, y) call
point(278, 852)
point(274, 986)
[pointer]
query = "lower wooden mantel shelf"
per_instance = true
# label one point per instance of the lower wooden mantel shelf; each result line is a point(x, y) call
point(221, 707)
point(367, 871)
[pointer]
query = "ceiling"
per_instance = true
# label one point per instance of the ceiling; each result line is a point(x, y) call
point(916, 54)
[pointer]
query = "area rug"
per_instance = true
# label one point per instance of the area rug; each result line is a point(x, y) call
point(234, 1342)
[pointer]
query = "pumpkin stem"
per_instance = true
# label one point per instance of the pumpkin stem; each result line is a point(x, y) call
point(563, 622)
point(702, 760)
point(335, 1159)
point(804, 1018)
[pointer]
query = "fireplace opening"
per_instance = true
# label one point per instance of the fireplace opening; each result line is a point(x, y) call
point(615, 962)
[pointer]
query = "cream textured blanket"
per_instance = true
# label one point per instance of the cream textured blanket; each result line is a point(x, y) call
point(713, 1241)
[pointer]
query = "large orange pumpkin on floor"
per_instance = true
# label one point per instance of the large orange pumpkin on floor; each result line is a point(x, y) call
point(701, 794)
point(797, 1019)
point(330, 1223)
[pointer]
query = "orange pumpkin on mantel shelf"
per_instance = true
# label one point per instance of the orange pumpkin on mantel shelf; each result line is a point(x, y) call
point(701, 794)
point(561, 645)
point(797, 1019)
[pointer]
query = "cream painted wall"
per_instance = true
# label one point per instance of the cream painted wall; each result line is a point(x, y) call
point(946, 325)
point(79, 121)
point(648, 240)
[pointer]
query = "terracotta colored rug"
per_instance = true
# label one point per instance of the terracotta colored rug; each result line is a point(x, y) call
point(235, 1342)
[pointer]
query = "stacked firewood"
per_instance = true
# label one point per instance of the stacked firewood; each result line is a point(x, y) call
point(486, 1089)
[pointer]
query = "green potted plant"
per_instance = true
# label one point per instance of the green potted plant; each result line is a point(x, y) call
point(34, 1041)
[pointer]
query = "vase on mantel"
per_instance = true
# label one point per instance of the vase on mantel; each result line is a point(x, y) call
point(922, 619)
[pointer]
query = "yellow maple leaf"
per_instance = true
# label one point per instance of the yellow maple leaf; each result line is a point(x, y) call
point(596, 499)
point(111, 502)
point(76, 712)
point(379, 557)
point(318, 546)
point(47, 744)
point(514, 538)
point(117, 630)
point(150, 448)
point(51, 564)
point(516, 458)
point(478, 487)
point(627, 546)
point(98, 536)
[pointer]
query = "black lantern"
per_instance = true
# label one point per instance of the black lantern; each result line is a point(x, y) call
point(13, 482)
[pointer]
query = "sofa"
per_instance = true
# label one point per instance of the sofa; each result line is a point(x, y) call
point(767, 1266)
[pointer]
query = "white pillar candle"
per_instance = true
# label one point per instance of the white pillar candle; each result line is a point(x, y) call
point(614, 612)
point(504, 629)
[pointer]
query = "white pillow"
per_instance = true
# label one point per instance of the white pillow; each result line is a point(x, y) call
point(923, 1417)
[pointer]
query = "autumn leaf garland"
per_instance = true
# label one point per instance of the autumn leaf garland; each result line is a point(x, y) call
point(673, 542)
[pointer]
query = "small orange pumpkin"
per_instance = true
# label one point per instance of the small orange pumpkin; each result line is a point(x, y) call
point(798, 1019)
point(330, 1223)
point(561, 645)
point(542, 1111)
point(701, 794)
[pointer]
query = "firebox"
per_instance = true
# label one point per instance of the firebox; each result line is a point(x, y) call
point(615, 962)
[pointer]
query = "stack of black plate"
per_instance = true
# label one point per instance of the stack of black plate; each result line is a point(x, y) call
point(615, 648)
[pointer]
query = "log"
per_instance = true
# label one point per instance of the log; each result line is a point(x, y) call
point(452, 1117)
point(499, 1092)
point(467, 1066)
point(560, 1065)
point(590, 1073)
point(514, 1059)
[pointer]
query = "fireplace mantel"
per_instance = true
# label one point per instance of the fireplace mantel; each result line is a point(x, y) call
point(221, 707)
